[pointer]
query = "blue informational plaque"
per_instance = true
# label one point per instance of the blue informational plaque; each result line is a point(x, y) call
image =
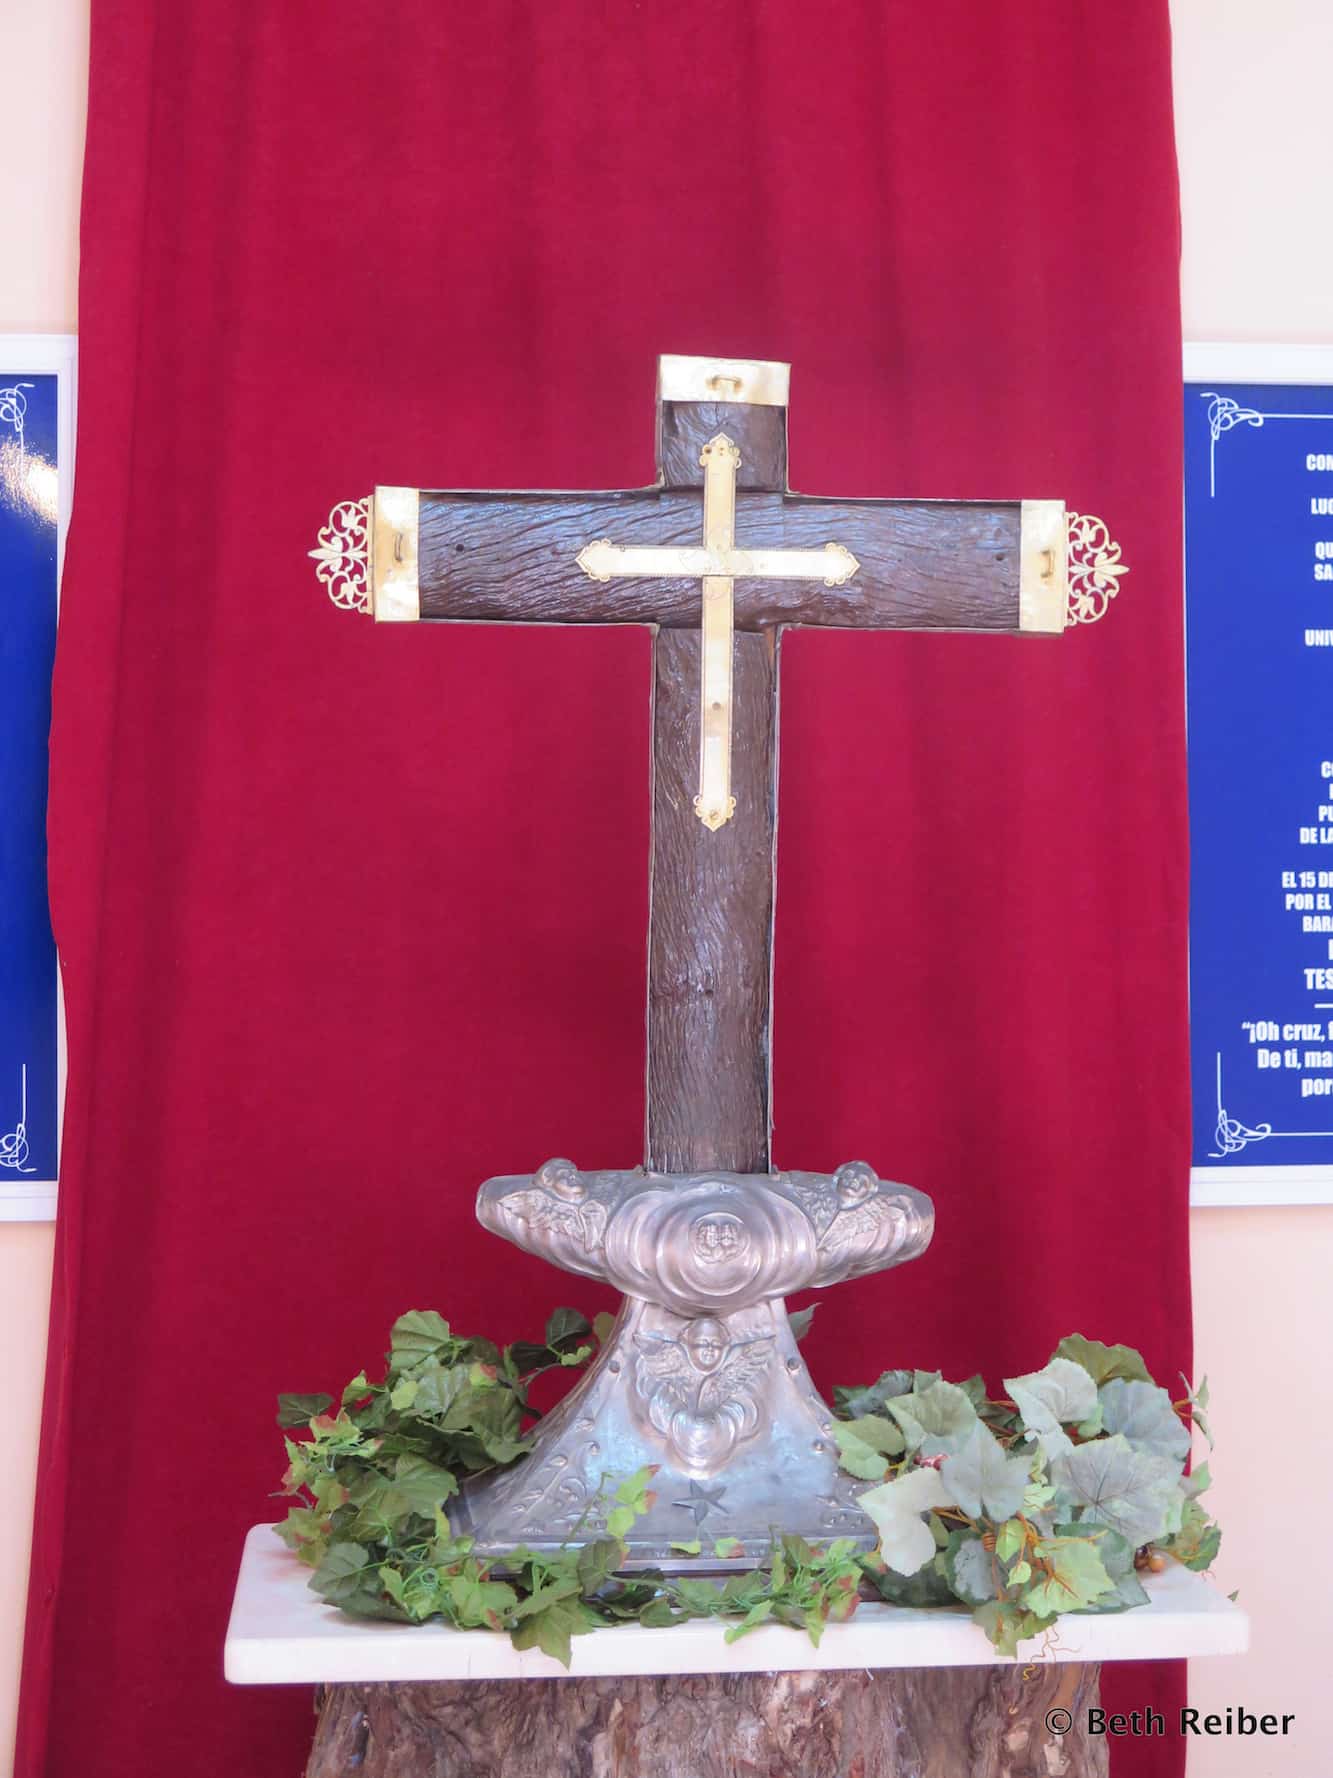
point(34, 417)
point(1259, 652)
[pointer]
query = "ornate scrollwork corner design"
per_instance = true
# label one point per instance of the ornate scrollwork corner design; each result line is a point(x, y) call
point(1094, 568)
point(343, 555)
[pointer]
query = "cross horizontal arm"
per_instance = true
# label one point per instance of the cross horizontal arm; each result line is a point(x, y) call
point(513, 558)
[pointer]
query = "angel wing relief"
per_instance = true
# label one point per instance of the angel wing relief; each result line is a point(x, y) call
point(701, 1389)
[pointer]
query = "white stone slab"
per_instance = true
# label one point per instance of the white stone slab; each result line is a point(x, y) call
point(283, 1634)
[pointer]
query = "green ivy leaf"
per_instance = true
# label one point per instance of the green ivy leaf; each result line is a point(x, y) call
point(565, 1328)
point(603, 1326)
point(661, 1614)
point(853, 1400)
point(480, 1604)
point(1102, 1363)
point(634, 1491)
point(756, 1615)
point(300, 1410)
point(341, 1575)
point(924, 1588)
point(598, 1562)
point(551, 1628)
point(799, 1321)
point(687, 1547)
point(422, 1485)
point(418, 1335)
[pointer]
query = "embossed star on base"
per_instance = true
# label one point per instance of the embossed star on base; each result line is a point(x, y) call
point(701, 1501)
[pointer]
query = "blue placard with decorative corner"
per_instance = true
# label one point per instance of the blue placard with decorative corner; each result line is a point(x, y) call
point(1259, 659)
point(30, 499)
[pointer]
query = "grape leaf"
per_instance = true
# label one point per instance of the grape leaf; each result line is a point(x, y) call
point(970, 1568)
point(1143, 1412)
point(983, 1479)
point(905, 1540)
point(1113, 1484)
point(865, 1445)
point(1103, 1362)
point(934, 1419)
point(1077, 1577)
point(1060, 1395)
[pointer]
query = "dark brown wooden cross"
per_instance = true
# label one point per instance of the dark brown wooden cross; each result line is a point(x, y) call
point(748, 554)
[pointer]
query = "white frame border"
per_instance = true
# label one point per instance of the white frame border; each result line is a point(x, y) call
point(48, 354)
point(1208, 361)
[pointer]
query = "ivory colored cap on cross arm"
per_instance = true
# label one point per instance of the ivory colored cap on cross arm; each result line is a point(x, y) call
point(757, 382)
point(1043, 589)
point(393, 589)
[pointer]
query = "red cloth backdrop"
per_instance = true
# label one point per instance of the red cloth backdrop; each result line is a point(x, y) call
point(353, 918)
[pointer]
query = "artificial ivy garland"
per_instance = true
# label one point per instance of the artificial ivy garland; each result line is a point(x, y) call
point(1045, 1501)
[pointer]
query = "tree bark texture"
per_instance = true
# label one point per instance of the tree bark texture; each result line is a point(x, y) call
point(513, 558)
point(933, 1722)
point(710, 929)
point(685, 427)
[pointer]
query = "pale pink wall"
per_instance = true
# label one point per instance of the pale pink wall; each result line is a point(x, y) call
point(1254, 128)
point(1256, 141)
point(44, 52)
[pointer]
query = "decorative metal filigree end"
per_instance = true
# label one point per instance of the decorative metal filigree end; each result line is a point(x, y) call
point(344, 555)
point(842, 564)
point(1094, 568)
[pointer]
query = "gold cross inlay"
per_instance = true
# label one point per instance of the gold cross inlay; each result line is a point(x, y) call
point(718, 565)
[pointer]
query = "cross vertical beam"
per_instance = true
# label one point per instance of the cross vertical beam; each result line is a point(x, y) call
point(711, 892)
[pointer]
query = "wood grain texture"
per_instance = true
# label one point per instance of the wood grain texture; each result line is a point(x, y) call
point(711, 920)
point(512, 558)
point(685, 427)
point(942, 1722)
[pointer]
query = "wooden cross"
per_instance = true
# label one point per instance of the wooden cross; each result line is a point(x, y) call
point(766, 558)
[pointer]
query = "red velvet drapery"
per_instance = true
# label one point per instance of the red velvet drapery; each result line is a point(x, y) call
point(353, 918)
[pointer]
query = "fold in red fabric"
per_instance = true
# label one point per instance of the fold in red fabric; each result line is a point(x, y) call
point(352, 918)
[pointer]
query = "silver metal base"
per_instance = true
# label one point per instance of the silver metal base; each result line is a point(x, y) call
point(752, 1454)
point(700, 1380)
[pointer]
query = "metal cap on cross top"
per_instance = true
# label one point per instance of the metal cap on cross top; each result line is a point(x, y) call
point(407, 556)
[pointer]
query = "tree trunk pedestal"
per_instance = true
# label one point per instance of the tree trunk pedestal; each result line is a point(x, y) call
point(928, 1722)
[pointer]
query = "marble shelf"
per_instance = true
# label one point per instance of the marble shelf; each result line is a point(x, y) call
point(283, 1634)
